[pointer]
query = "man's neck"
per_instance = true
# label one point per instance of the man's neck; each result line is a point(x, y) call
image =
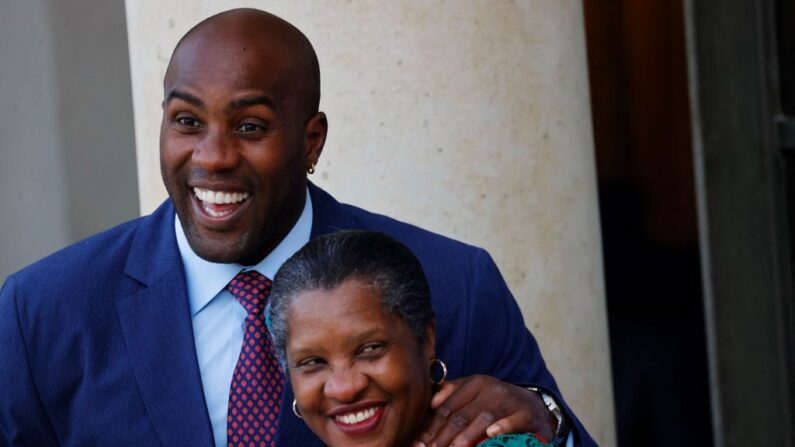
point(204, 279)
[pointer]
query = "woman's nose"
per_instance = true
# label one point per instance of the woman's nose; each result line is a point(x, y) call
point(216, 151)
point(345, 385)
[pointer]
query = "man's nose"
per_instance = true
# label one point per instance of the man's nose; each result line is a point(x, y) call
point(345, 385)
point(216, 151)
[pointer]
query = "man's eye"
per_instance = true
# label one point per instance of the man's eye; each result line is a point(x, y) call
point(188, 121)
point(250, 128)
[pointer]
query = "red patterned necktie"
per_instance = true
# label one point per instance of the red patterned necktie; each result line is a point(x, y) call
point(256, 392)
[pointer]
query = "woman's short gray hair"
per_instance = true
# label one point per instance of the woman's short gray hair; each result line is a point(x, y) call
point(373, 258)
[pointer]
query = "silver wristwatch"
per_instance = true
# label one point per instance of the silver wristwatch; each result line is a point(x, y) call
point(553, 408)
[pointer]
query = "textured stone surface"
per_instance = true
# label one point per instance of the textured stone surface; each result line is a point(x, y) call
point(467, 118)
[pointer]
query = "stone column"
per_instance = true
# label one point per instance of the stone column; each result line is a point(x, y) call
point(468, 118)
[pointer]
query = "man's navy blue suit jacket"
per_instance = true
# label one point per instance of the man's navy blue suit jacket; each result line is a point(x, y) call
point(96, 344)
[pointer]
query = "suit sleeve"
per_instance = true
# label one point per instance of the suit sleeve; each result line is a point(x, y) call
point(499, 344)
point(23, 421)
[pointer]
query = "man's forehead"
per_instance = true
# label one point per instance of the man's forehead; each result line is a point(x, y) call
point(232, 44)
point(230, 60)
point(243, 30)
point(248, 49)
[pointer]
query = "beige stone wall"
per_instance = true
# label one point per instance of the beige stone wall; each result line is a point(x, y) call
point(469, 118)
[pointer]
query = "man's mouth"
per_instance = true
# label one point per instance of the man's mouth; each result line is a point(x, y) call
point(219, 204)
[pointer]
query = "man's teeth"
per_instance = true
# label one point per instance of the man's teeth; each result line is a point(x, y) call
point(355, 418)
point(219, 197)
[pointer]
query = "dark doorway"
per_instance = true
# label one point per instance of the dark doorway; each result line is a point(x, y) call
point(639, 92)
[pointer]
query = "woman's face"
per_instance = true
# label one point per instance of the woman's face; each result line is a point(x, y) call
point(359, 375)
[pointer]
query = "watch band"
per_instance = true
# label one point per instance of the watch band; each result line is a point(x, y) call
point(561, 431)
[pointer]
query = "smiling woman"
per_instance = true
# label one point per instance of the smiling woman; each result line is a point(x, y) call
point(351, 319)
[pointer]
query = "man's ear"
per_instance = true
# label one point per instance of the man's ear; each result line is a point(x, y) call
point(315, 137)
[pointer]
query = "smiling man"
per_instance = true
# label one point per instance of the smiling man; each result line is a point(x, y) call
point(240, 126)
point(151, 333)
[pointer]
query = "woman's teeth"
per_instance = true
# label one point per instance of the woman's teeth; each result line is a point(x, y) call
point(355, 418)
point(219, 197)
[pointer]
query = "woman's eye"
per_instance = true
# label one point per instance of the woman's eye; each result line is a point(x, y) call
point(371, 349)
point(313, 361)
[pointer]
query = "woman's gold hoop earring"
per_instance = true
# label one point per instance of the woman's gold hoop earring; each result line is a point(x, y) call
point(311, 169)
point(444, 372)
point(295, 410)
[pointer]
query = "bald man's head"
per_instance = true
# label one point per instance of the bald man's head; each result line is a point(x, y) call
point(247, 29)
point(240, 130)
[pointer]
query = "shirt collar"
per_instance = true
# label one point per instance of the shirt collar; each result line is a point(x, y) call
point(206, 279)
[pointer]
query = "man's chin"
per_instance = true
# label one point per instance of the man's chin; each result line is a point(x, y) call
point(215, 253)
point(219, 248)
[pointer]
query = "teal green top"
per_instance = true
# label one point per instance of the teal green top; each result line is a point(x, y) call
point(514, 440)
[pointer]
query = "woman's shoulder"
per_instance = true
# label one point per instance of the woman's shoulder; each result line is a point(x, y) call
point(515, 440)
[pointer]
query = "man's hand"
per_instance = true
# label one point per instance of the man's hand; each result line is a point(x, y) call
point(471, 408)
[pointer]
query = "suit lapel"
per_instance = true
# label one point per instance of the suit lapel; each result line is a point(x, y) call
point(156, 325)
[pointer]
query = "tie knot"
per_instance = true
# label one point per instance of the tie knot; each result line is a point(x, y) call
point(251, 289)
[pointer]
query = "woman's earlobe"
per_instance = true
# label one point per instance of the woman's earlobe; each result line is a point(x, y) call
point(430, 341)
